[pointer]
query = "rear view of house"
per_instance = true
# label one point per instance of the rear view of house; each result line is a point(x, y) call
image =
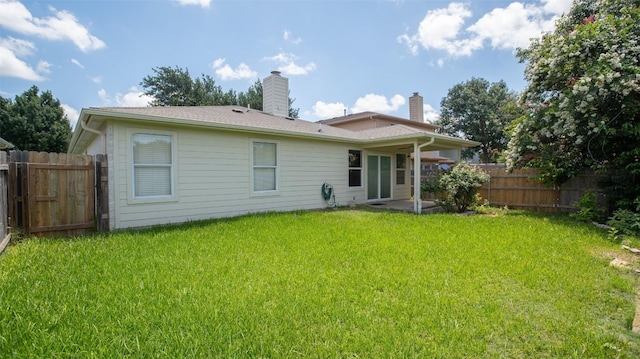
point(176, 164)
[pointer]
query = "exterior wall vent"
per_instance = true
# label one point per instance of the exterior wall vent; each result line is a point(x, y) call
point(275, 95)
point(416, 108)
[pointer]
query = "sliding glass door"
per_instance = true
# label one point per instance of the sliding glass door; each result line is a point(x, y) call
point(378, 177)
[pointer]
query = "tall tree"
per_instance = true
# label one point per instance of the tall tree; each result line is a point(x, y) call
point(479, 111)
point(583, 97)
point(35, 122)
point(175, 87)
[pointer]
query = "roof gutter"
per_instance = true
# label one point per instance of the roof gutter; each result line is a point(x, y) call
point(85, 127)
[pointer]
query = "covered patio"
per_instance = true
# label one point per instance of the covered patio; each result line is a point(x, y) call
point(413, 142)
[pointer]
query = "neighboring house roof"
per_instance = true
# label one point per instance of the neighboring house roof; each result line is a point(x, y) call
point(236, 118)
point(5, 144)
point(429, 156)
point(369, 115)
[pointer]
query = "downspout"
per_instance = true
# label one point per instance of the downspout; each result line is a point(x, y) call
point(417, 149)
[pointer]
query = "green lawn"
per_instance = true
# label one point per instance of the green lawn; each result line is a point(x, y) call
point(330, 284)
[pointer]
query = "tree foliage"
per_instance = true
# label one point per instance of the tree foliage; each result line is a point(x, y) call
point(175, 87)
point(478, 110)
point(583, 96)
point(35, 122)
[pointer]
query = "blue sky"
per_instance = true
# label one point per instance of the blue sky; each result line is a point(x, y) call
point(356, 56)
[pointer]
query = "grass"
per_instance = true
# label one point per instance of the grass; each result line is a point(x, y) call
point(331, 284)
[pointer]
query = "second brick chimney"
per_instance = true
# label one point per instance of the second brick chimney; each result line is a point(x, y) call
point(416, 108)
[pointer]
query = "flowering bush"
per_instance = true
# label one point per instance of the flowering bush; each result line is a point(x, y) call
point(460, 186)
point(583, 96)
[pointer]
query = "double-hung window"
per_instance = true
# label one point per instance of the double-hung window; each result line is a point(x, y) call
point(152, 166)
point(401, 168)
point(264, 167)
point(355, 168)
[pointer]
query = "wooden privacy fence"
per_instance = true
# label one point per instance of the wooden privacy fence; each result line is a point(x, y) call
point(520, 190)
point(53, 194)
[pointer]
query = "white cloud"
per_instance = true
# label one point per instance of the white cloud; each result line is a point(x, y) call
point(411, 42)
point(201, 3)
point(72, 114)
point(288, 64)
point(430, 114)
point(557, 7)
point(325, 110)
point(437, 63)
point(218, 62)
point(504, 28)
point(378, 103)
point(225, 72)
point(77, 63)
point(288, 36)
point(513, 26)
point(96, 79)
point(10, 63)
point(19, 47)
point(63, 25)
point(132, 98)
point(440, 29)
point(102, 93)
point(43, 67)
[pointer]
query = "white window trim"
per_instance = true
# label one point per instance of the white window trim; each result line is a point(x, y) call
point(361, 168)
point(131, 199)
point(253, 192)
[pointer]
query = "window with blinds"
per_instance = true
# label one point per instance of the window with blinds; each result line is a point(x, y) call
point(355, 168)
point(152, 166)
point(265, 166)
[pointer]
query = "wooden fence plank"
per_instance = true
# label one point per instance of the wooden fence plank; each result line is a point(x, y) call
point(52, 194)
point(520, 190)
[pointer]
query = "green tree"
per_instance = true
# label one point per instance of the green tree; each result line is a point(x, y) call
point(583, 98)
point(35, 122)
point(175, 87)
point(479, 111)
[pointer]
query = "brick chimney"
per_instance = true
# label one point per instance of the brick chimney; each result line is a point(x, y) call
point(275, 95)
point(416, 108)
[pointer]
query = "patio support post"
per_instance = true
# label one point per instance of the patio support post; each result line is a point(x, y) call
point(417, 173)
point(417, 200)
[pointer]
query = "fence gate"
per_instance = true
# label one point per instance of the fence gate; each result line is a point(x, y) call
point(51, 194)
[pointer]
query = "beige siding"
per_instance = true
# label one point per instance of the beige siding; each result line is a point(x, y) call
point(213, 178)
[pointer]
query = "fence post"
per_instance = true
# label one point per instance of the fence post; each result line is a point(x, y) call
point(4, 202)
point(102, 193)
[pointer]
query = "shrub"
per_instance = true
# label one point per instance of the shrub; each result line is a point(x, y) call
point(625, 222)
point(459, 187)
point(588, 209)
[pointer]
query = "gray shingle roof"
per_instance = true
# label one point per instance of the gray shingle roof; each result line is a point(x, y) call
point(233, 116)
point(363, 116)
point(237, 118)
